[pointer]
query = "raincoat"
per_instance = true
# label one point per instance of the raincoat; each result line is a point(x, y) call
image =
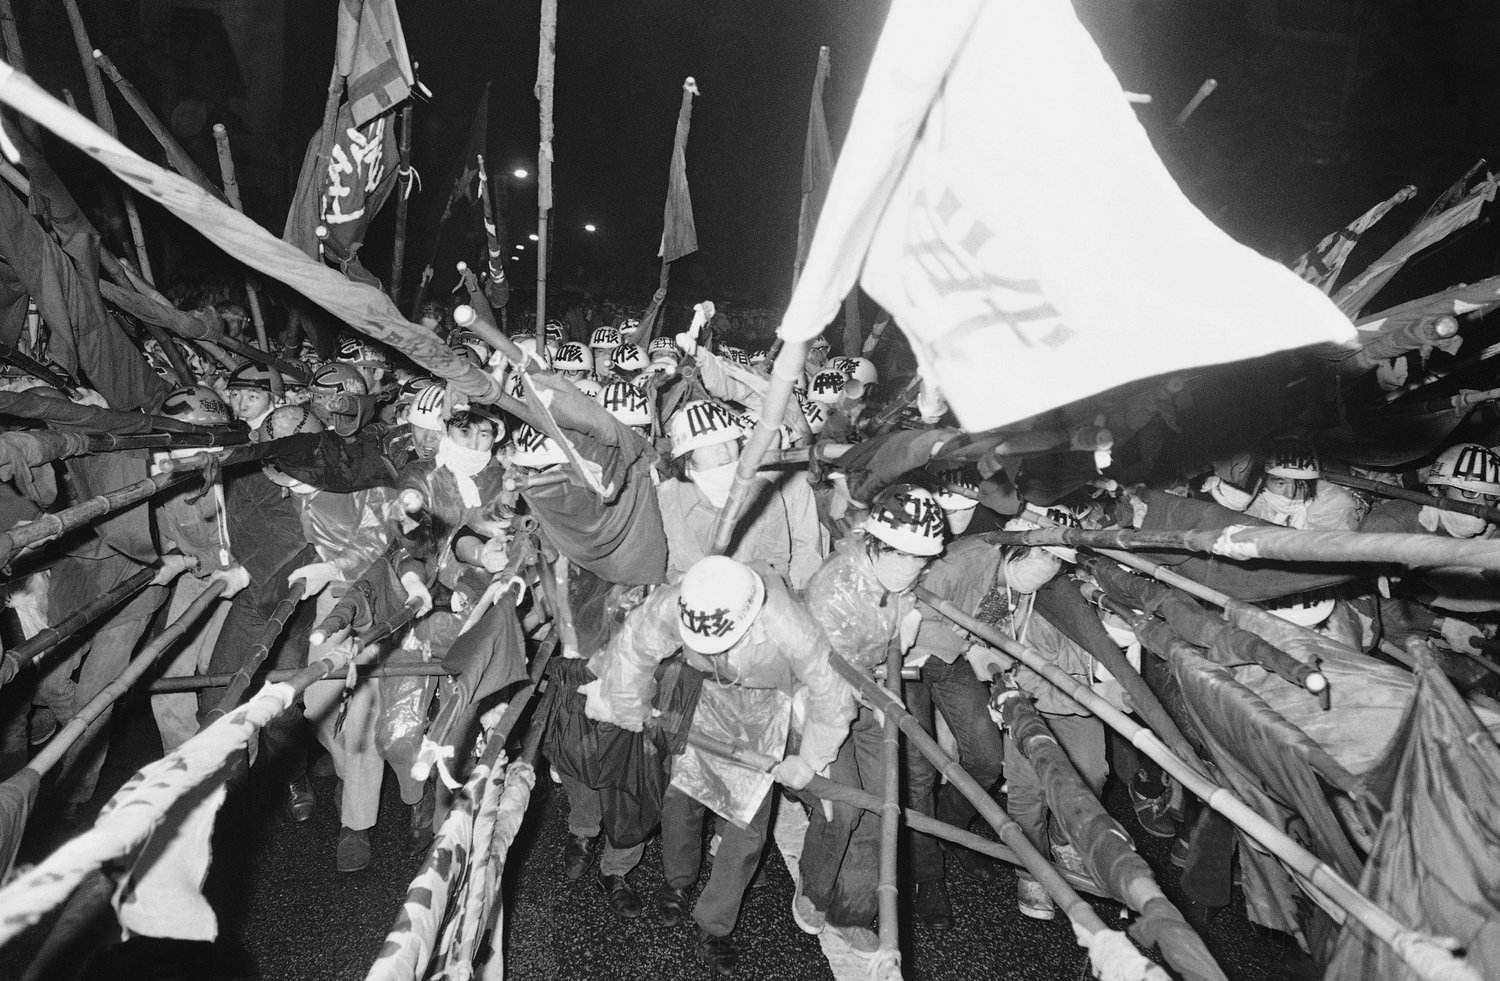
point(746, 698)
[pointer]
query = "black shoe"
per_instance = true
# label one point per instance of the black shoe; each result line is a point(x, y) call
point(716, 953)
point(622, 897)
point(299, 801)
point(353, 853)
point(1151, 803)
point(578, 855)
point(419, 829)
point(671, 905)
point(979, 867)
point(932, 905)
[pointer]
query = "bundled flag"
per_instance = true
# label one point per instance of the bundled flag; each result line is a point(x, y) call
point(469, 188)
point(337, 198)
point(1321, 266)
point(997, 195)
point(679, 236)
point(817, 166)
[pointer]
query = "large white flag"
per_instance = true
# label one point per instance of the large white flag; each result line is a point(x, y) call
point(997, 195)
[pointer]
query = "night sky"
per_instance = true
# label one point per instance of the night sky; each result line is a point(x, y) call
point(1323, 107)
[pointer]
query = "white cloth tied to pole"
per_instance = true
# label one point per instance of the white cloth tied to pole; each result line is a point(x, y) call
point(998, 196)
point(160, 897)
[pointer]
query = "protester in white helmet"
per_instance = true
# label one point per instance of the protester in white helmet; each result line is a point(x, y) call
point(428, 420)
point(574, 361)
point(1284, 485)
point(862, 599)
point(628, 404)
point(603, 342)
point(1441, 603)
point(731, 381)
point(628, 361)
point(780, 525)
point(757, 647)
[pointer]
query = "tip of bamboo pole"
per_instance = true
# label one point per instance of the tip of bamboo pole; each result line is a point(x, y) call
point(1316, 683)
point(463, 266)
point(219, 129)
point(98, 54)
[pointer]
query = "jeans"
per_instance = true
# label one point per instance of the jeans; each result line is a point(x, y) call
point(840, 865)
point(963, 699)
point(718, 906)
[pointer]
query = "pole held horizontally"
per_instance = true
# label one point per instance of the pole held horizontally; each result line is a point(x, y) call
point(51, 526)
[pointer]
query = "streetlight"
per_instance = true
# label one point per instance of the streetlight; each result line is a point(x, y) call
point(532, 236)
point(590, 228)
point(520, 173)
point(520, 247)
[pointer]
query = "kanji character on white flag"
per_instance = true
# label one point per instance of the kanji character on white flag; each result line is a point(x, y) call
point(997, 195)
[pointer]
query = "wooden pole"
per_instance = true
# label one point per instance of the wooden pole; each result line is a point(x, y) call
point(240, 681)
point(17, 57)
point(404, 178)
point(888, 958)
point(106, 118)
point(546, 67)
point(52, 526)
point(252, 293)
point(177, 157)
point(1380, 487)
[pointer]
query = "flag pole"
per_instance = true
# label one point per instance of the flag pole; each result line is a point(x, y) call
point(404, 177)
point(252, 293)
point(546, 67)
point(106, 117)
point(177, 157)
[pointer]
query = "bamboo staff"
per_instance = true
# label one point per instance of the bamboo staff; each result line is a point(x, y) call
point(1394, 492)
point(17, 57)
point(1249, 543)
point(179, 158)
point(1433, 377)
point(106, 117)
point(1087, 925)
point(546, 66)
point(404, 177)
point(252, 291)
point(1426, 955)
point(108, 443)
point(887, 960)
point(200, 682)
point(239, 681)
point(1107, 853)
point(139, 665)
point(49, 637)
point(50, 526)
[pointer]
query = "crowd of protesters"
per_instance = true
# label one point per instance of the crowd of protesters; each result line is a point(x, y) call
point(666, 637)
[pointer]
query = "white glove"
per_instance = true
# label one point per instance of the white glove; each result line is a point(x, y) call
point(87, 396)
point(416, 590)
point(910, 624)
point(172, 566)
point(596, 707)
point(493, 555)
point(986, 662)
point(1457, 633)
point(688, 343)
point(794, 772)
point(235, 578)
point(315, 577)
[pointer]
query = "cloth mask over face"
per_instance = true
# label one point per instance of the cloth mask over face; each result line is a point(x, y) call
point(715, 482)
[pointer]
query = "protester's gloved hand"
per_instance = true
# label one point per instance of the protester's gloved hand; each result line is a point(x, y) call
point(910, 624)
point(417, 590)
point(1458, 633)
point(597, 707)
point(493, 555)
point(315, 577)
point(986, 662)
point(173, 566)
point(794, 772)
point(234, 578)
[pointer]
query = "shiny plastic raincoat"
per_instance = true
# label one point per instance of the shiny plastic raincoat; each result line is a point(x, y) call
point(746, 698)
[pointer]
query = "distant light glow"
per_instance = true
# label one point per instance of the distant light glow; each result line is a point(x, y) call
point(532, 236)
point(520, 247)
point(590, 228)
point(520, 173)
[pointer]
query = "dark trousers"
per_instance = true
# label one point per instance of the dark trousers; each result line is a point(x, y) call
point(840, 865)
point(718, 906)
point(964, 701)
point(283, 739)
